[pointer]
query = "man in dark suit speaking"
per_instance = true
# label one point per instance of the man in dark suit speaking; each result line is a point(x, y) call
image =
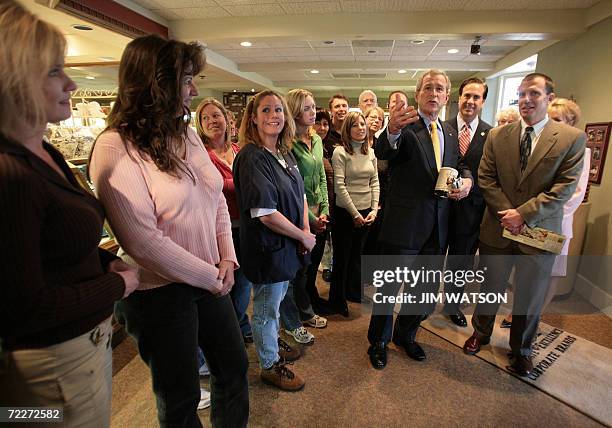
point(417, 145)
point(466, 214)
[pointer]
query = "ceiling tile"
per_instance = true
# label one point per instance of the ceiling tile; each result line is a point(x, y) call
point(408, 58)
point(337, 42)
point(443, 51)
point(455, 43)
point(199, 12)
point(412, 50)
point(294, 51)
point(339, 58)
point(303, 58)
point(287, 44)
point(426, 43)
point(335, 51)
point(312, 8)
point(369, 58)
point(379, 51)
point(447, 57)
point(265, 9)
point(483, 58)
point(266, 59)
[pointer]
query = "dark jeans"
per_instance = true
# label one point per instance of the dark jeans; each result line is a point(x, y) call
point(305, 291)
point(168, 323)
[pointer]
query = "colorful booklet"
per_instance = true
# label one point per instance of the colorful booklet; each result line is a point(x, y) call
point(539, 238)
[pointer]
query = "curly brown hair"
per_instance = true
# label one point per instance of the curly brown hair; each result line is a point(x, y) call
point(146, 111)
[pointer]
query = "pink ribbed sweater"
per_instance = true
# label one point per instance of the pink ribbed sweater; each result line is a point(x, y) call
point(173, 230)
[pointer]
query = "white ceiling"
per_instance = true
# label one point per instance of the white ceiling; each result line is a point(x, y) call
point(354, 44)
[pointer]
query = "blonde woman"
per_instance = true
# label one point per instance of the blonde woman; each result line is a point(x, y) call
point(308, 151)
point(357, 193)
point(58, 287)
point(274, 227)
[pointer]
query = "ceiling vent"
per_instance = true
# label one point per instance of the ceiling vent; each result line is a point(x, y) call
point(372, 43)
point(373, 75)
point(345, 75)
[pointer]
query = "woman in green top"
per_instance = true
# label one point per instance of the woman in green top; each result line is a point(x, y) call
point(308, 151)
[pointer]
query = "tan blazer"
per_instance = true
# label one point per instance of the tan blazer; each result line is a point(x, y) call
point(541, 191)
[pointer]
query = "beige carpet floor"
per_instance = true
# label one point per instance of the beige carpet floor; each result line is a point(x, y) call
point(342, 390)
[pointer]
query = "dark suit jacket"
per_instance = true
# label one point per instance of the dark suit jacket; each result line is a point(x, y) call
point(466, 214)
point(412, 211)
point(540, 192)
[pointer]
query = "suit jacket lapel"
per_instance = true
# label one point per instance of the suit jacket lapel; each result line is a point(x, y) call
point(511, 143)
point(426, 144)
point(479, 138)
point(451, 144)
point(547, 139)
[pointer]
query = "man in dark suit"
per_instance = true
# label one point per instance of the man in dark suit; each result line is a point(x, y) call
point(466, 214)
point(415, 222)
point(529, 170)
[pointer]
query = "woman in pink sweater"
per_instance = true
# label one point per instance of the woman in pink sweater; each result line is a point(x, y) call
point(164, 200)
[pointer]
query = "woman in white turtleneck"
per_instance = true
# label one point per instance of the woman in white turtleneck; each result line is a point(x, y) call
point(357, 192)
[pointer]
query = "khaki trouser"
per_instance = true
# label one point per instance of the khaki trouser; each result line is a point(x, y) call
point(75, 375)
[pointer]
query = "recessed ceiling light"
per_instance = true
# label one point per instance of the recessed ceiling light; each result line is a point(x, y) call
point(82, 27)
point(372, 51)
point(234, 90)
point(90, 78)
point(246, 44)
point(453, 51)
point(417, 42)
point(253, 90)
point(329, 42)
point(402, 71)
point(314, 71)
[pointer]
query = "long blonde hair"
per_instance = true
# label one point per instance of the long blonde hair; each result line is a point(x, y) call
point(248, 130)
point(29, 48)
point(296, 99)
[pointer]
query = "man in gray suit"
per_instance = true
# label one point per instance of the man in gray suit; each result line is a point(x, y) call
point(529, 169)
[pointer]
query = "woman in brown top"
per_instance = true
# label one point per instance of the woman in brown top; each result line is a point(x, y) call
point(58, 288)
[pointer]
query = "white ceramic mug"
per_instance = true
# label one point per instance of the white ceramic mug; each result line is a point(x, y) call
point(448, 179)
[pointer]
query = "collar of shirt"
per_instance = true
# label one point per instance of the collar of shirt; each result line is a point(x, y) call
point(473, 125)
point(537, 131)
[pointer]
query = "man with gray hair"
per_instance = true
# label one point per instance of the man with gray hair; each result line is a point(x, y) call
point(367, 100)
point(415, 222)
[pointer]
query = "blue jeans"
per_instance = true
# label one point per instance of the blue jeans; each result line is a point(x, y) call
point(241, 296)
point(266, 303)
point(241, 291)
point(289, 312)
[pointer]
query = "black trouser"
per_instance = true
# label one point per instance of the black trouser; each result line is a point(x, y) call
point(168, 323)
point(461, 251)
point(406, 325)
point(348, 243)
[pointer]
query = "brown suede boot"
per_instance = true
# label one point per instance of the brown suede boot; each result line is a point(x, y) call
point(281, 377)
point(286, 352)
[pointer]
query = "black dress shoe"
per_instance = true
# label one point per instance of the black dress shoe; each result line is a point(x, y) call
point(326, 275)
point(340, 309)
point(413, 350)
point(321, 307)
point(458, 319)
point(378, 355)
point(520, 365)
point(505, 323)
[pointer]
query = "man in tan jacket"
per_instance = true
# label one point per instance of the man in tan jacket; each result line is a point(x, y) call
point(529, 169)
